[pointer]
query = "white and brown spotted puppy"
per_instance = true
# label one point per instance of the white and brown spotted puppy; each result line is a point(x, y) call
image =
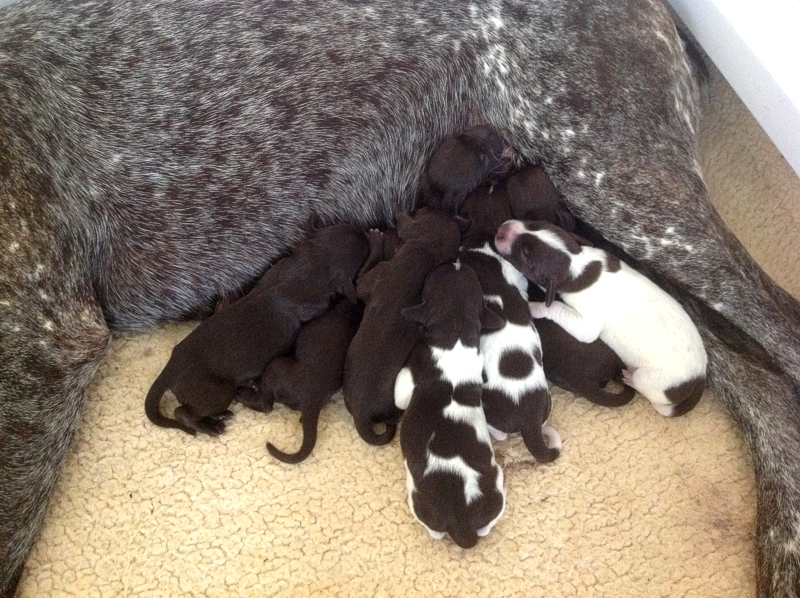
point(516, 397)
point(604, 298)
point(454, 484)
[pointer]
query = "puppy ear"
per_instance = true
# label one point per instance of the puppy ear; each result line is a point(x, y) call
point(418, 313)
point(490, 319)
point(550, 292)
point(464, 224)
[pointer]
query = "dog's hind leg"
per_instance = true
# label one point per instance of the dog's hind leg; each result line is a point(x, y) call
point(53, 337)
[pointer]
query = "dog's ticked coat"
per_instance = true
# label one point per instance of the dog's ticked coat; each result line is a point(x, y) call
point(149, 165)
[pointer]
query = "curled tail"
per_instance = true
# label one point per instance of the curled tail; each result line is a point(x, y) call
point(368, 434)
point(152, 404)
point(533, 415)
point(604, 398)
point(310, 419)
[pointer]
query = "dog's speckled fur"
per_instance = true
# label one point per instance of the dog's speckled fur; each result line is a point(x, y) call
point(157, 154)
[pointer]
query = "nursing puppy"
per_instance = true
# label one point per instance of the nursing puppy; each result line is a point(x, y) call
point(532, 196)
point(308, 378)
point(454, 484)
point(607, 299)
point(230, 350)
point(385, 338)
point(516, 397)
point(148, 166)
point(462, 162)
point(584, 369)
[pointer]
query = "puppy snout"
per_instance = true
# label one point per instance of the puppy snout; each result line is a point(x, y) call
point(505, 235)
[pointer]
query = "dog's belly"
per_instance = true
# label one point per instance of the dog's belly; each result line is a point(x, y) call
point(203, 150)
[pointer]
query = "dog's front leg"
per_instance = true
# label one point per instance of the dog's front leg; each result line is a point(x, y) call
point(583, 329)
point(53, 337)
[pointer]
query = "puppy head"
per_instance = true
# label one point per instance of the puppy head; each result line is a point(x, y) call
point(541, 251)
point(452, 307)
point(444, 504)
point(532, 196)
point(487, 208)
point(435, 230)
point(346, 249)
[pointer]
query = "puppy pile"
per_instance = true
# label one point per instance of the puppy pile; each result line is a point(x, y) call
point(450, 321)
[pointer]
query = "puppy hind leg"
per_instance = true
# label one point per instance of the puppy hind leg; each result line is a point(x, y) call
point(53, 339)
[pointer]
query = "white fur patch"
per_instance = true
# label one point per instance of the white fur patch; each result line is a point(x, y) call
point(512, 276)
point(472, 416)
point(459, 365)
point(495, 299)
point(456, 465)
point(510, 338)
point(403, 388)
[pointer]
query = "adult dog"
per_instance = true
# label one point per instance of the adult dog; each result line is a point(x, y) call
point(157, 154)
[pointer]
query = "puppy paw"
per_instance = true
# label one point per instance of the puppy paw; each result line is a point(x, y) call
point(538, 309)
point(211, 426)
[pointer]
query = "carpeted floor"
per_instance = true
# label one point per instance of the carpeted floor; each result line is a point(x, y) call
point(637, 505)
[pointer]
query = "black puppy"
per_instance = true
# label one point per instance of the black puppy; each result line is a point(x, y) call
point(454, 483)
point(308, 379)
point(463, 162)
point(385, 338)
point(231, 349)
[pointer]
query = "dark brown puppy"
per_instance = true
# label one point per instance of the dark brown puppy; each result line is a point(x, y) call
point(581, 368)
point(385, 338)
point(231, 349)
point(463, 162)
point(515, 393)
point(306, 380)
point(454, 483)
point(532, 196)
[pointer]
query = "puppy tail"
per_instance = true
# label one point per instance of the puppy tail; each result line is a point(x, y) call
point(601, 397)
point(534, 413)
point(152, 404)
point(369, 435)
point(310, 420)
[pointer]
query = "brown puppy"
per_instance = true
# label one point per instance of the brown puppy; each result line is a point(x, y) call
point(385, 338)
point(231, 349)
point(532, 196)
point(308, 379)
point(463, 162)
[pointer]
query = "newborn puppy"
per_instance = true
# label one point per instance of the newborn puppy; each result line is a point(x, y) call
point(605, 298)
point(308, 379)
point(454, 483)
point(385, 338)
point(516, 397)
point(532, 196)
point(581, 368)
point(463, 162)
point(231, 349)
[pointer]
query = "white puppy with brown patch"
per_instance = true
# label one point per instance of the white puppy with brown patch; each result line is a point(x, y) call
point(455, 486)
point(607, 299)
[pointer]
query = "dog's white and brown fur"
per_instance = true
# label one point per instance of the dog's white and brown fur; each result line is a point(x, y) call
point(602, 297)
point(148, 166)
point(454, 484)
